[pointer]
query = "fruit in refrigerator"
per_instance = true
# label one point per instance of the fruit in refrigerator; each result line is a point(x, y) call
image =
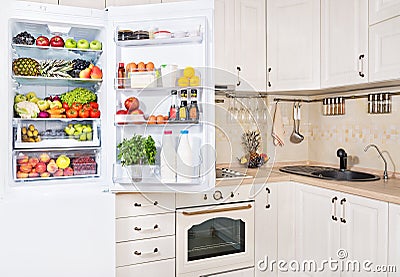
point(76, 106)
point(63, 161)
point(95, 45)
point(68, 171)
point(183, 82)
point(55, 104)
point(40, 167)
point(25, 167)
point(96, 73)
point(160, 119)
point(24, 38)
point(33, 174)
point(26, 67)
point(84, 165)
point(84, 113)
point(33, 161)
point(188, 72)
point(65, 106)
point(42, 41)
point(152, 119)
point(30, 95)
point(137, 111)
point(83, 44)
point(70, 43)
point(122, 112)
point(59, 172)
point(131, 103)
point(71, 113)
point(131, 67)
point(56, 68)
point(85, 74)
point(69, 130)
point(89, 136)
point(44, 157)
point(141, 66)
point(149, 66)
point(94, 113)
point(52, 167)
point(87, 106)
point(45, 174)
point(57, 41)
point(21, 175)
point(94, 105)
point(34, 99)
point(194, 81)
point(43, 105)
point(22, 158)
point(19, 98)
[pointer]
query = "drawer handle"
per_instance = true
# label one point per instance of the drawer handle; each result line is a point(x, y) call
point(334, 217)
point(138, 253)
point(155, 227)
point(342, 217)
point(149, 205)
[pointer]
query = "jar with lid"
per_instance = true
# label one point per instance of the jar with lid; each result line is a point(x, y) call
point(193, 109)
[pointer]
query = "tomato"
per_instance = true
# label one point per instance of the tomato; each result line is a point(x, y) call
point(65, 106)
point(71, 113)
point(94, 113)
point(122, 112)
point(87, 106)
point(84, 113)
point(94, 105)
point(76, 106)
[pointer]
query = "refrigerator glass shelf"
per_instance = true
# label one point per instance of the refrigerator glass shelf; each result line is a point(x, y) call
point(57, 143)
point(62, 82)
point(17, 120)
point(32, 179)
point(48, 52)
point(159, 41)
point(138, 120)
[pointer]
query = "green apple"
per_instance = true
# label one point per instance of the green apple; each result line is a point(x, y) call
point(19, 98)
point(34, 99)
point(30, 95)
point(55, 104)
point(83, 44)
point(95, 45)
point(43, 105)
point(70, 43)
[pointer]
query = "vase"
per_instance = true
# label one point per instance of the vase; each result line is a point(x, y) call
point(134, 172)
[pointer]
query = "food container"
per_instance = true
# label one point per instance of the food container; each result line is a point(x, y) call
point(142, 79)
point(125, 35)
point(84, 165)
point(168, 75)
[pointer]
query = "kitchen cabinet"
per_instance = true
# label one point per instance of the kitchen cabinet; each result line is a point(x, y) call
point(394, 237)
point(130, 2)
point(45, 1)
point(266, 232)
point(84, 4)
point(293, 37)
point(240, 44)
point(355, 224)
point(344, 42)
point(238, 273)
point(382, 10)
point(384, 57)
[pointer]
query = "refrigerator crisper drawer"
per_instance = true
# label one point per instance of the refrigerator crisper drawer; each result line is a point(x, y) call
point(54, 164)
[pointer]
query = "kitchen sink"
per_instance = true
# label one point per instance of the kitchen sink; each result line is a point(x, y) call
point(330, 173)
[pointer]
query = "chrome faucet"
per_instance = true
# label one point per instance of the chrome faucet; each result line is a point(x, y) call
point(385, 173)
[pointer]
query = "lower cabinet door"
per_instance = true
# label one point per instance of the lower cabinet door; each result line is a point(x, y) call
point(143, 251)
point(248, 272)
point(165, 268)
point(394, 239)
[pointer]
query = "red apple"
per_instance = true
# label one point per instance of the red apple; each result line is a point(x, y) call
point(57, 41)
point(42, 41)
point(122, 112)
point(96, 73)
point(33, 161)
point(137, 111)
point(26, 168)
point(40, 167)
point(52, 167)
point(22, 159)
point(44, 157)
point(68, 171)
point(59, 172)
point(131, 103)
point(85, 74)
point(33, 175)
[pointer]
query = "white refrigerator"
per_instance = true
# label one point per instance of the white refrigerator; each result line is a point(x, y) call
point(59, 224)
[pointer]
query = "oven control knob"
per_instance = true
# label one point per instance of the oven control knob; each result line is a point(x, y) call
point(217, 195)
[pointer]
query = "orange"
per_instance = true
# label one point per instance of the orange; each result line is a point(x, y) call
point(150, 66)
point(152, 119)
point(131, 67)
point(141, 66)
point(160, 119)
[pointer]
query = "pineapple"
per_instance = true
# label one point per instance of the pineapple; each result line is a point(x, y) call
point(26, 67)
point(56, 68)
point(251, 141)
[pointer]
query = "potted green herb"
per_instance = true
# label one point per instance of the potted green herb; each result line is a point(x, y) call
point(135, 152)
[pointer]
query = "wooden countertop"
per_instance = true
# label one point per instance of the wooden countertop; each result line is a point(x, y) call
point(385, 191)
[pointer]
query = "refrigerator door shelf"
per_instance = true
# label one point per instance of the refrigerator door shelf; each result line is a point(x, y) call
point(160, 41)
point(60, 82)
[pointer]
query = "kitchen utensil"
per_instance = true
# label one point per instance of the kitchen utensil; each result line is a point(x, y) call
point(298, 123)
point(295, 137)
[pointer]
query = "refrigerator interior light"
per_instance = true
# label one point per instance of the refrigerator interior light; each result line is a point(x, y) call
point(59, 30)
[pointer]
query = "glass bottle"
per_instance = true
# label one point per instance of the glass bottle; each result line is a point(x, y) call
point(174, 107)
point(121, 75)
point(193, 109)
point(183, 109)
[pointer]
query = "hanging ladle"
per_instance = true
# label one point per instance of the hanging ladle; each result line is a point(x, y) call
point(298, 122)
point(296, 137)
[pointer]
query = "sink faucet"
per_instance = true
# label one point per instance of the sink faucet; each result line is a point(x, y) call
point(343, 158)
point(385, 173)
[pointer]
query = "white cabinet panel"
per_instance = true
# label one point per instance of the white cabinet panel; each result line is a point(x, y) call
point(266, 231)
point(85, 4)
point(317, 228)
point(130, 2)
point(344, 42)
point(293, 44)
point(394, 238)
point(380, 10)
point(165, 268)
point(364, 235)
point(248, 272)
point(44, 1)
point(384, 45)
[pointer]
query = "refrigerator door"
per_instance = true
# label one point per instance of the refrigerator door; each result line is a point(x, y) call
point(169, 35)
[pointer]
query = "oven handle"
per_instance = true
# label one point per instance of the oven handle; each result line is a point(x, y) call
point(249, 206)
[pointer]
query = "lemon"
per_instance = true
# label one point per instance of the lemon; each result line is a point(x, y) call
point(194, 81)
point(188, 72)
point(63, 161)
point(183, 82)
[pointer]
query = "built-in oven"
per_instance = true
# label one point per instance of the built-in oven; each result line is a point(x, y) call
point(217, 236)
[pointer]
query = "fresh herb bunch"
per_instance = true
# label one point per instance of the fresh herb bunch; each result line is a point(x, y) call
point(136, 150)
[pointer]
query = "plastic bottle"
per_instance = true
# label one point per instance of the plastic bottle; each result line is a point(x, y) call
point(173, 109)
point(121, 75)
point(168, 158)
point(184, 162)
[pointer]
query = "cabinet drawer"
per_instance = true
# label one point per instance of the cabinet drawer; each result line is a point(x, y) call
point(147, 250)
point(165, 268)
point(143, 227)
point(133, 204)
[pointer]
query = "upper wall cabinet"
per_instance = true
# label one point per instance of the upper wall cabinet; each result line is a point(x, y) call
point(293, 38)
point(240, 44)
point(384, 54)
point(380, 10)
point(344, 42)
point(131, 2)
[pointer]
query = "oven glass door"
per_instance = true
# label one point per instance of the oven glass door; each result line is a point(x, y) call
point(215, 237)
